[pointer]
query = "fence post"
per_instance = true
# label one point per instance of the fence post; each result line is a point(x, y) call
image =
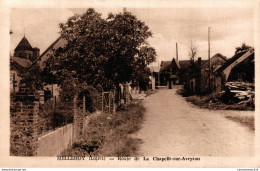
point(78, 120)
point(114, 101)
point(75, 114)
point(102, 102)
point(84, 103)
point(127, 93)
point(109, 101)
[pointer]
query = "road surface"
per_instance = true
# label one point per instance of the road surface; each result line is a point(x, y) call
point(174, 127)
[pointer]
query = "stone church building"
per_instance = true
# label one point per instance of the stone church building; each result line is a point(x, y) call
point(24, 50)
point(24, 56)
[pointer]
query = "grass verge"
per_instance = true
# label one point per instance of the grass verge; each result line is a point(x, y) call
point(150, 92)
point(206, 102)
point(247, 121)
point(110, 134)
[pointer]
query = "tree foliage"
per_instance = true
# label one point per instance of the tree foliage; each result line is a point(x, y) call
point(32, 77)
point(192, 54)
point(242, 47)
point(192, 51)
point(101, 51)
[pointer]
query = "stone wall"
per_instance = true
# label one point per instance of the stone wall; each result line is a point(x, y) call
point(53, 143)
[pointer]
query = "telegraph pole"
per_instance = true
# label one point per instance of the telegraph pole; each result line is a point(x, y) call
point(158, 73)
point(176, 51)
point(209, 58)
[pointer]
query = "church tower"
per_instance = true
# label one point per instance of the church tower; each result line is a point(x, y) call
point(24, 50)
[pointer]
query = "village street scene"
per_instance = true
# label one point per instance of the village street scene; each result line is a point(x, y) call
point(128, 82)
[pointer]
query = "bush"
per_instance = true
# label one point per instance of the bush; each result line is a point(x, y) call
point(53, 115)
point(108, 134)
point(92, 98)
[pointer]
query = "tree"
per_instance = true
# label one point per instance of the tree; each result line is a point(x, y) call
point(128, 47)
point(192, 56)
point(83, 57)
point(141, 72)
point(101, 51)
point(192, 51)
point(32, 77)
point(147, 54)
point(243, 47)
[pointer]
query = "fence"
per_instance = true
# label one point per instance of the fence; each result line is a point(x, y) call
point(108, 101)
point(46, 129)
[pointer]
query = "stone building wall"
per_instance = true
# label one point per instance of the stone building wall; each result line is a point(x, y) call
point(24, 127)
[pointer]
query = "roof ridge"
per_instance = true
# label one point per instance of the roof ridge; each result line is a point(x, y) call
point(45, 51)
point(23, 45)
point(217, 54)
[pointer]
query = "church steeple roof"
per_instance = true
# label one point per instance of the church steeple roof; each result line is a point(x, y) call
point(23, 45)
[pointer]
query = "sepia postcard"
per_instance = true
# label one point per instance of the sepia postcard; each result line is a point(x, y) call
point(149, 83)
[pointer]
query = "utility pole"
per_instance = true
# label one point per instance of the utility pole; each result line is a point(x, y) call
point(209, 58)
point(158, 73)
point(177, 51)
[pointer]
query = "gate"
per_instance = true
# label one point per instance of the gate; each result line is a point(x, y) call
point(108, 101)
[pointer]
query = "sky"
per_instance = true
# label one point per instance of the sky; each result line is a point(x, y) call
point(230, 27)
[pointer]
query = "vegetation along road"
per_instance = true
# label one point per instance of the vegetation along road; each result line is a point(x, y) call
point(174, 127)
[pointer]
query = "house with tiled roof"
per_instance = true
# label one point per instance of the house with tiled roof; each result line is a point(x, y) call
point(175, 72)
point(58, 43)
point(17, 67)
point(170, 72)
point(165, 69)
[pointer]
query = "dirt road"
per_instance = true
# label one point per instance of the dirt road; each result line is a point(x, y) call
point(174, 127)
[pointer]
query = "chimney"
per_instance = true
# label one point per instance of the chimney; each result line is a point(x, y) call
point(199, 61)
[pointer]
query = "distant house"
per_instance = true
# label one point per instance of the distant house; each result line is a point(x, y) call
point(175, 72)
point(212, 76)
point(24, 54)
point(198, 79)
point(165, 72)
point(216, 61)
